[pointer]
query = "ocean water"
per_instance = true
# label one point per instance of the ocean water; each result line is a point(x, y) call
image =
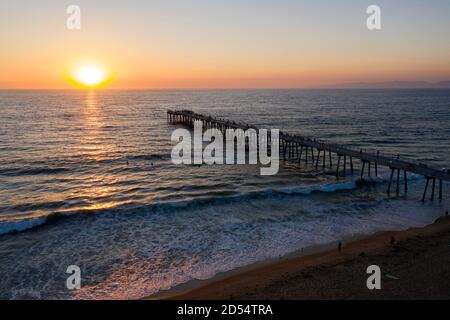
point(86, 179)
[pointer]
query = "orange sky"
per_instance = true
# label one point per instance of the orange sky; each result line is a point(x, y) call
point(210, 45)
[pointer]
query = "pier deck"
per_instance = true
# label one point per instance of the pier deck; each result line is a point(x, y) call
point(294, 146)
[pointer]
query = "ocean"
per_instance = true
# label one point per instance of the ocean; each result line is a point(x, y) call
point(86, 179)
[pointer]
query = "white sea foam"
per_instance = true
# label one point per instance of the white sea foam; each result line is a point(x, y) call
point(328, 187)
point(143, 251)
point(19, 225)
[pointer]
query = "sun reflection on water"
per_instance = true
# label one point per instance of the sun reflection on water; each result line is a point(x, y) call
point(97, 145)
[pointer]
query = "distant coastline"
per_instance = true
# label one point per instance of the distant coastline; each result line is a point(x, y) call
point(395, 85)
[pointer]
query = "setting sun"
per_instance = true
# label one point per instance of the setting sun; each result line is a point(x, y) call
point(90, 76)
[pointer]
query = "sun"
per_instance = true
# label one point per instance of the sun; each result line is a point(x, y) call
point(90, 76)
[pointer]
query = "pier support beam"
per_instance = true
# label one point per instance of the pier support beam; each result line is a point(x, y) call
point(338, 164)
point(425, 190)
point(300, 155)
point(317, 159)
point(351, 165)
point(406, 181)
point(345, 165)
point(324, 159)
point(306, 154)
point(331, 161)
point(433, 188)
point(362, 169)
point(390, 182)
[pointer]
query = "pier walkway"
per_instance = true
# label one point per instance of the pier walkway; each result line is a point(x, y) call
point(319, 153)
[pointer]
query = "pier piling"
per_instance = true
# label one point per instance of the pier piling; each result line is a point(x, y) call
point(433, 188)
point(362, 169)
point(337, 167)
point(425, 190)
point(406, 181)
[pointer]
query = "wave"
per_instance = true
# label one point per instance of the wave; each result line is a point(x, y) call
point(12, 172)
point(149, 157)
point(33, 206)
point(170, 204)
point(67, 165)
point(326, 188)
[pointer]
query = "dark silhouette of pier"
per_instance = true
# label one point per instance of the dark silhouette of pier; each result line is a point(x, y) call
point(319, 154)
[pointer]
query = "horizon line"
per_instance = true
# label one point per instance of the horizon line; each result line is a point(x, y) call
point(386, 84)
point(342, 87)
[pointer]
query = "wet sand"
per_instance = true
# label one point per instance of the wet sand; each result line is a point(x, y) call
point(415, 266)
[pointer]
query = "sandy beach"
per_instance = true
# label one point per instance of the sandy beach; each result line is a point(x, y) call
point(414, 265)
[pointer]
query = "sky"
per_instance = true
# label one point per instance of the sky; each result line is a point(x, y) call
point(224, 44)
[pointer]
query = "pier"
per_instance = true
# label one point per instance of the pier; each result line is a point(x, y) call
point(319, 154)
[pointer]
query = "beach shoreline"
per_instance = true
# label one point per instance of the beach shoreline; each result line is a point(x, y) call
point(413, 266)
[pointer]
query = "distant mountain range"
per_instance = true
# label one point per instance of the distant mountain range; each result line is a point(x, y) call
point(395, 84)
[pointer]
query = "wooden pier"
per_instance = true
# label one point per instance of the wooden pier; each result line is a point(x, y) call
point(319, 153)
